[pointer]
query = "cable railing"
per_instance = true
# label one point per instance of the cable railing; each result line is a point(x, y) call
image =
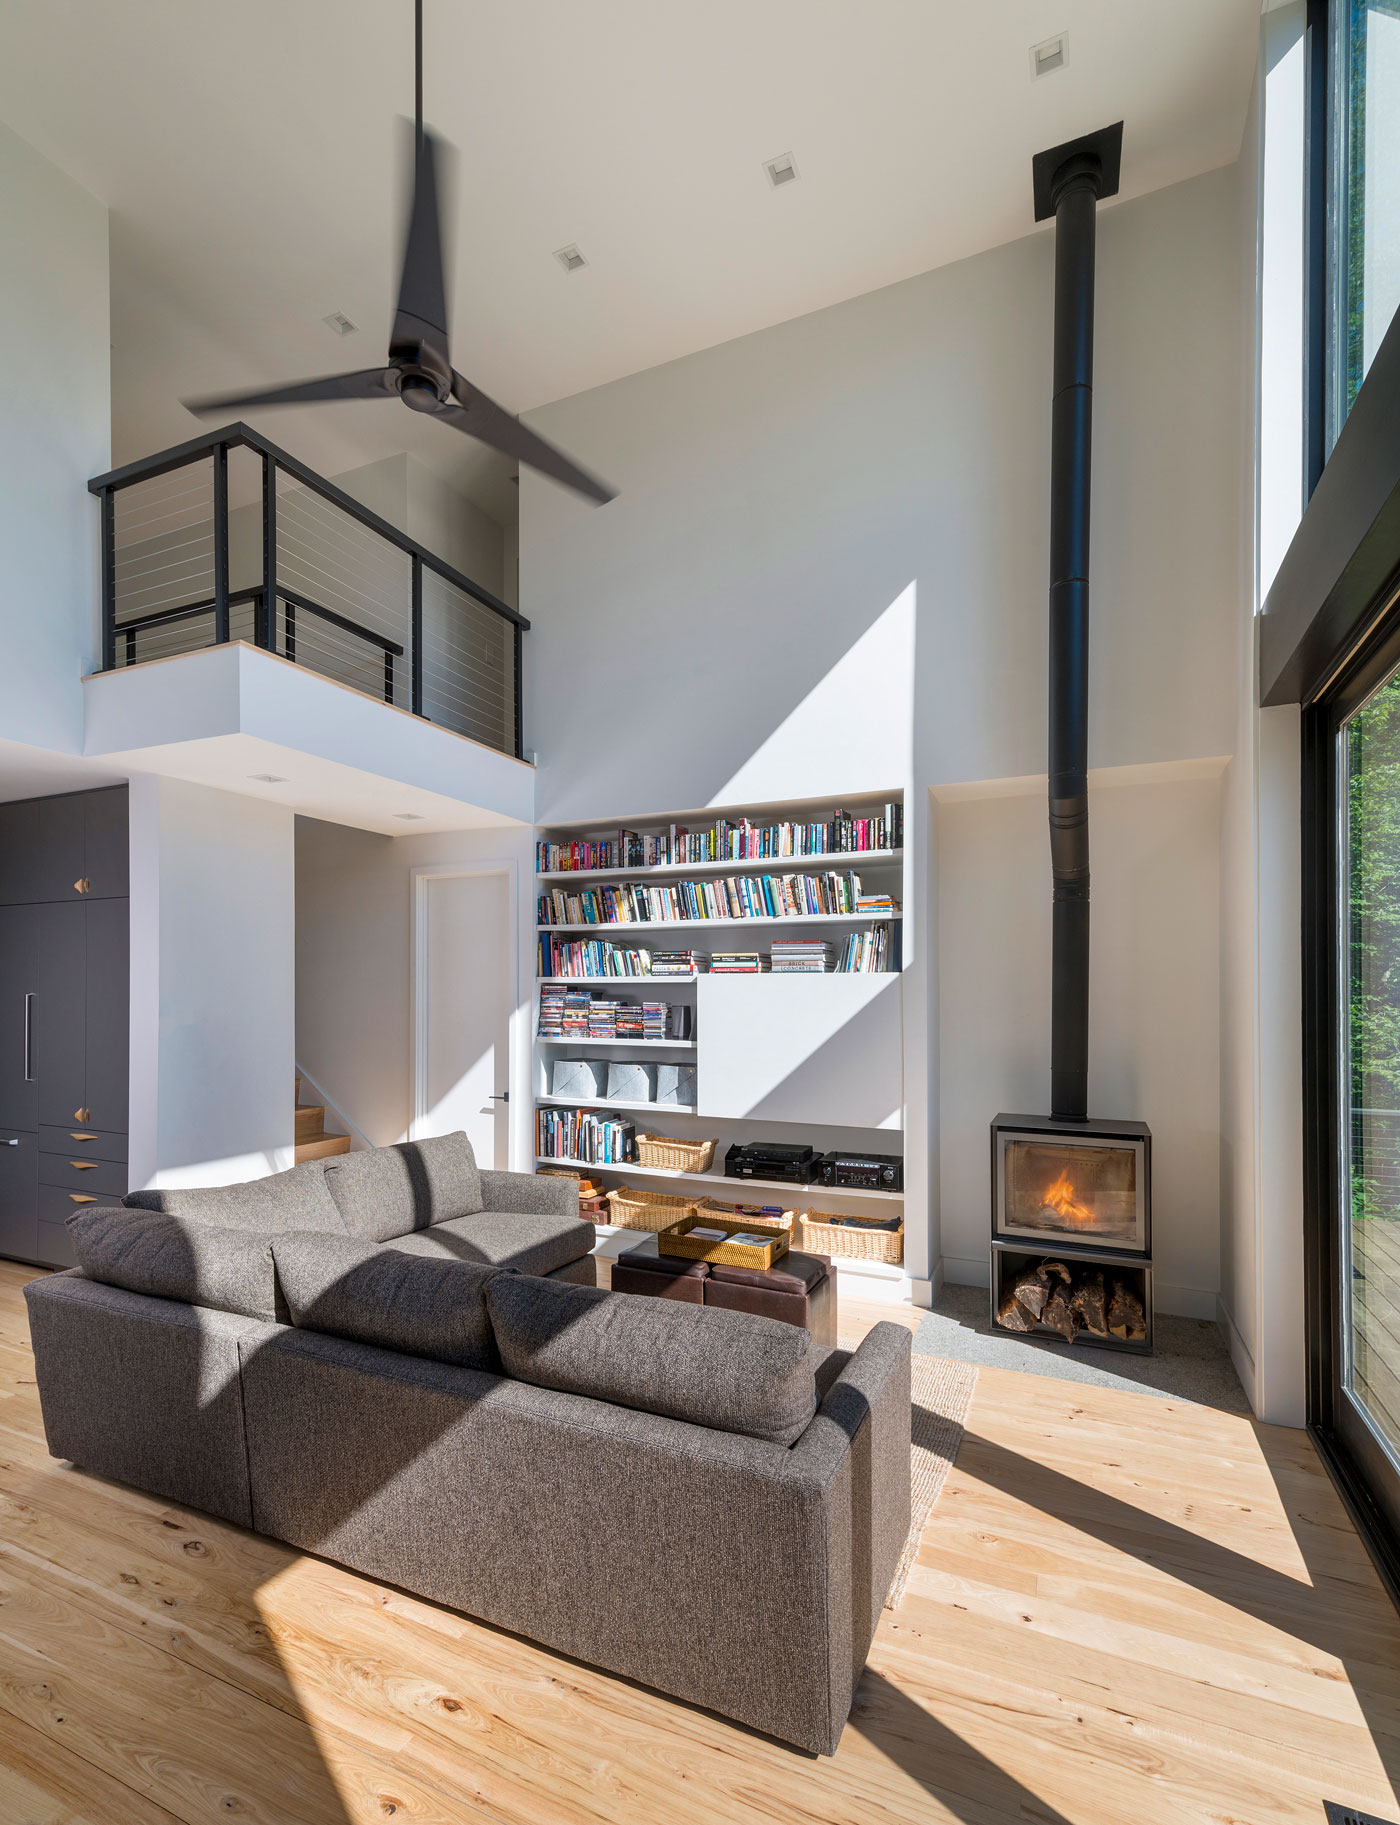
point(229, 538)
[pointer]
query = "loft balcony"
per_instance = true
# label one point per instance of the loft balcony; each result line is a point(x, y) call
point(303, 628)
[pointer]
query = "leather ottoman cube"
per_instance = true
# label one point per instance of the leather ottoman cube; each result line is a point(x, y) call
point(797, 1289)
point(660, 1277)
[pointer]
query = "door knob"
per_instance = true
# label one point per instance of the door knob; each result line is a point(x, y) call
point(83, 1165)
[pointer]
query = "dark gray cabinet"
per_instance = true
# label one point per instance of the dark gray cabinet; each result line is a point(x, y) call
point(64, 974)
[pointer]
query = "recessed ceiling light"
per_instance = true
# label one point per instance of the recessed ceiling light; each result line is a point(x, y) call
point(410, 817)
point(570, 258)
point(270, 779)
point(1050, 54)
point(781, 170)
point(340, 323)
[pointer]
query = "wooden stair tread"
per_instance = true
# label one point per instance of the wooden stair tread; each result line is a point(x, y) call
point(322, 1147)
point(310, 1122)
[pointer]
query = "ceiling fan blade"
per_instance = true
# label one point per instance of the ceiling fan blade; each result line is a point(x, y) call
point(482, 418)
point(421, 316)
point(368, 383)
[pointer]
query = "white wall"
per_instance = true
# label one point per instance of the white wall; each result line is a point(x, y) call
point(1154, 1006)
point(404, 491)
point(826, 572)
point(55, 432)
point(212, 985)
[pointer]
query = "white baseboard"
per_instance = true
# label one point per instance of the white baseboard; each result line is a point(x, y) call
point(1241, 1356)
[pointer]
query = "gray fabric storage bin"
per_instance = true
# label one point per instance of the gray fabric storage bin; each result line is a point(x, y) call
point(582, 1077)
point(675, 1084)
point(631, 1083)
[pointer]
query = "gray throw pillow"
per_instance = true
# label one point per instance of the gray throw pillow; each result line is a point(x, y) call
point(297, 1199)
point(391, 1191)
point(726, 1370)
point(419, 1304)
point(168, 1257)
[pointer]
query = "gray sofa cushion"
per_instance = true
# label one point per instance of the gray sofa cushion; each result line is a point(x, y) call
point(726, 1370)
point(431, 1308)
point(387, 1192)
point(297, 1199)
point(168, 1257)
point(532, 1242)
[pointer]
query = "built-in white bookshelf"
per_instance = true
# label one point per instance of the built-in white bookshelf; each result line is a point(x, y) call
point(803, 1058)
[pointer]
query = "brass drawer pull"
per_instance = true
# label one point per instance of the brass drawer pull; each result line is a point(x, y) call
point(83, 1165)
point(81, 1197)
point(81, 1137)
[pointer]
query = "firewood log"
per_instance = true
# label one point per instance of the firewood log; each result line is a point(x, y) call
point(1126, 1318)
point(1014, 1316)
point(1088, 1299)
point(1060, 1316)
point(1032, 1289)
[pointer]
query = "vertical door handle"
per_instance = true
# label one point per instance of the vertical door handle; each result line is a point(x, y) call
point(82, 1115)
point(29, 1039)
point(82, 884)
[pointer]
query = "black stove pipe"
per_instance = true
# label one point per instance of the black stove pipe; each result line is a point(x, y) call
point(1069, 181)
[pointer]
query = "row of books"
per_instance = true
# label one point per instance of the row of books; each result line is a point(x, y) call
point(592, 1199)
point(575, 1134)
point(876, 950)
point(840, 834)
point(764, 896)
point(575, 1014)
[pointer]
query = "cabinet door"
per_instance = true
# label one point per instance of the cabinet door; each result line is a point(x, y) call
point(106, 975)
point(105, 864)
point(60, 1013)
point(19, 984)
point(61, 860)
point(19, 1195)
point(19, 853)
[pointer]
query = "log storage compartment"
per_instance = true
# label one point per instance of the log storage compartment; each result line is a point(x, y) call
point(1078, 1297)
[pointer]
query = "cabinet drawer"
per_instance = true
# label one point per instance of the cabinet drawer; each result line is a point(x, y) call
point(83, 1143)
point(56, 1205)
point(71, 1172)
point(55, 1246)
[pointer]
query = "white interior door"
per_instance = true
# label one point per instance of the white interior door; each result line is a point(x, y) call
point(463, 1006)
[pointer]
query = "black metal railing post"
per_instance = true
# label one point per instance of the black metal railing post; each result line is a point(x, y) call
point(519, 667)
point(265, 617)
point(388, 676)
point(109, 581)
point(416, 636)
point(221, 544)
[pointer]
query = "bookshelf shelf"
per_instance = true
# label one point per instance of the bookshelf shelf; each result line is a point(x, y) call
point(838, 860)
point(612, 1102)
point(653, 981)
point(645, 1045)
point(804, 1194)
point(671, 925)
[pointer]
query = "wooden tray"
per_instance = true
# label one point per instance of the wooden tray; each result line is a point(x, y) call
point(677, 1241)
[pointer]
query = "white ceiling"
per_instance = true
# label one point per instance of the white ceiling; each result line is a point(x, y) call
point(249, 153)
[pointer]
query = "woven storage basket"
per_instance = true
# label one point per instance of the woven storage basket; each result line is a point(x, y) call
point(652, 1210)
point(679, 1156)
point(823, 1237)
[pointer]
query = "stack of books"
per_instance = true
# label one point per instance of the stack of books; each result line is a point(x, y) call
point(580, 1134)
point(802, 957)
point(737, 963)
point(873, 952)
point(676, 963)
point(877, 903)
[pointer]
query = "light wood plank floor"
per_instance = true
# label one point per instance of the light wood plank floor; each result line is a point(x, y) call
point(1124, 1609)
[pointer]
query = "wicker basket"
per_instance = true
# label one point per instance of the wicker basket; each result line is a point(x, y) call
point(676, 1241)
point(652, 1210)
point(677, 1156)
point(753, 1213)
point(823, 1237)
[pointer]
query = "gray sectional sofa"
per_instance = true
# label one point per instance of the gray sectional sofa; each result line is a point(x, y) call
point(389, 1359)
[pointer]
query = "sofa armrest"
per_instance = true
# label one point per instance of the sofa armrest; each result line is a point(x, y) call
point(527, 1194)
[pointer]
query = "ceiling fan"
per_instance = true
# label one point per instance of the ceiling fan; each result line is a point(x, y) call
point(419, 370)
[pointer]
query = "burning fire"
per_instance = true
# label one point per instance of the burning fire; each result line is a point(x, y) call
point(1061, 1199)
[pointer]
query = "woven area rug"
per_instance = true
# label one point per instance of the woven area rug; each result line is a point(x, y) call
point(942, 1394)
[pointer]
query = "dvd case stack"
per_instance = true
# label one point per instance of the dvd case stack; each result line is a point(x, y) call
point(803, 957)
